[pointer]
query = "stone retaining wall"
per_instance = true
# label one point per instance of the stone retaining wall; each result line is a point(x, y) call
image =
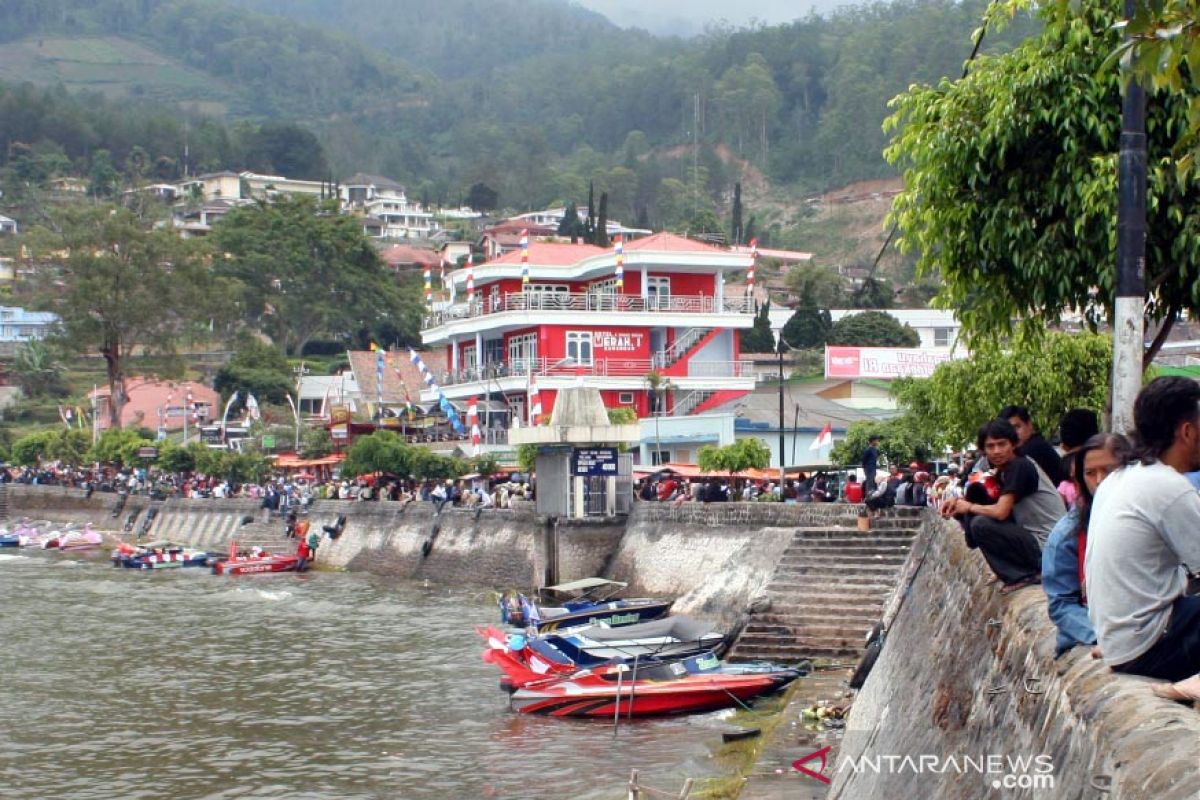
point(967, 672)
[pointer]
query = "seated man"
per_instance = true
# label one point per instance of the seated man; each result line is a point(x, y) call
point(1144, 539)
point(1032, 444)
point(1010, 532)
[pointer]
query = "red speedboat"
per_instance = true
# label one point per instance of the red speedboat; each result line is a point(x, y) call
point(254, 562)
point(587, 694)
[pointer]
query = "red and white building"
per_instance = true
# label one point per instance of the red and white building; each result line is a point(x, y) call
point(667, 340)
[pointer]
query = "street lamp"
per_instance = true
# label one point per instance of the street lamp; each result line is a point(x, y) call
point(779, 350)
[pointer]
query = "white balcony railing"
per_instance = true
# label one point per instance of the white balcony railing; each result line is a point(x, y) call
point(603, 367)
point(600, 302)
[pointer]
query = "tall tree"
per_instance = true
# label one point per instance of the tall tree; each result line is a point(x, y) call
point(125, 286)
point(872, 329)
point(601, 236)
point(589, 225)
point(306, 270)
point(735, 226)
point(1017, 211)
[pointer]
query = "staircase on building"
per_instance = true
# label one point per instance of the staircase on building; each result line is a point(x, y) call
point(688, 403)
point(3, 501)
point(829, 590)
point(683, 343)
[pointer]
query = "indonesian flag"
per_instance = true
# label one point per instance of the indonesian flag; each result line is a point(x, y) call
point(750, 272)
point(470, 277)
point(473, 421)
point(535, 403)
point(619, 248)
point(524, 257)
point(824, 438)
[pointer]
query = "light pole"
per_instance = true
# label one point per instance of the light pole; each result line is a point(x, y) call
point(779, 351)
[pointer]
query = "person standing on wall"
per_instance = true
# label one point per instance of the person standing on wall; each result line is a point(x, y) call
point(870, 464)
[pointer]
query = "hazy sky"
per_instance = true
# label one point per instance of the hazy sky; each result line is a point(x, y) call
point(688, 17)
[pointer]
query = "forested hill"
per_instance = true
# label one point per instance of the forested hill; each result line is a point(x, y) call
point(535, 98)
point(456, 38)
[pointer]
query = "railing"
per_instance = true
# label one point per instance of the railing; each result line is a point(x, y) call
point(588, 301)
point(604, 367)
point(665, 358)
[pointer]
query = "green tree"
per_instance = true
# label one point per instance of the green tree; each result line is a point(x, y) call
point(306, 270)
point(68, 446)
point(125, 286)
point(315, 443)
point(1011, 183)
point(1049, 375)
point(900, 442)
point(37, 371)
point(382, 451)
point(27, 450)
point(600, 238)
point(174, 458)
point(482, 197)
point(872, 329)
point(818, 287)
point(735, 214)
point(104, 178)
point(747, 453)
point(759, 339)
point(120, 445)
point(808, 328)
point(256, 368)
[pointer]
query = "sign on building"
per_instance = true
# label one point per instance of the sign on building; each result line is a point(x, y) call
point(594, 461)
point(883, 362)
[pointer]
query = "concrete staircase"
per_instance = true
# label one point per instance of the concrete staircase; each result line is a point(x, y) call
point(829, 590)
point(3, 501)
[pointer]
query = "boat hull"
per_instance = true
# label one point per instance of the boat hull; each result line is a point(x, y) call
point(257, 566)
point(578, 697)
point(613, 615)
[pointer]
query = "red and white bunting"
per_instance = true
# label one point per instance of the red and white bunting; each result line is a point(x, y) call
point(753, 259)
point(470, 278)
point(473, 421)
point(535, 403)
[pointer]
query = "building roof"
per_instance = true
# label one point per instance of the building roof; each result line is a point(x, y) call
point(560, 254)
point(672, 243)
point(518, 225)
point(402, 254)
point(760, 408)
point(146, 396)
point(399, 374)
point(378, 181)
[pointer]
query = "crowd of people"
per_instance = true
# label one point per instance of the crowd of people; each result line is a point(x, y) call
point(668, 487)
point(1110, 529)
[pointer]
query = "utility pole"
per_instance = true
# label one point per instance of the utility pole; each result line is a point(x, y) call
point(1129, 304)
point(782, 446)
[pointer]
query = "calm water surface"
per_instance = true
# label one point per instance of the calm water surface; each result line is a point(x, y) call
point(181, 684)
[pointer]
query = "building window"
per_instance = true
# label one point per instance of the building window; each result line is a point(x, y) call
point(658, 291)
point(658, 457)
point(625, 398)
point(943, 337)
point(579, 347)
point(469, 358)
point(607, 286)
point(549, 288)
point(522, 354)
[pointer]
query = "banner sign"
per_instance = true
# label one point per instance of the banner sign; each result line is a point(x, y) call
point(884, 362)
point(594, 461)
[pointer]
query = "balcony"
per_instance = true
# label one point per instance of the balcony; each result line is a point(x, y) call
point(601, 368)
point(587, 301)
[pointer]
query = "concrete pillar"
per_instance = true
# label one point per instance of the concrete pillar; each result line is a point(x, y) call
point(453, 356)
point(720, 292)
point(645, 282)
point(579, 511)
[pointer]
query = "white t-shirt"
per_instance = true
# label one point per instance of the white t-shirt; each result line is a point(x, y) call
point(1144, 527)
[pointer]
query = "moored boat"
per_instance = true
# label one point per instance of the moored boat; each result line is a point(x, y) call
point(591, 604)
point(588, 694)
point(158, 555)
point(254, 562)
point(87, 539)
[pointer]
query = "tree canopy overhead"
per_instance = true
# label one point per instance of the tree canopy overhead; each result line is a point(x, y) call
point(1011, 183)
point(307, 271)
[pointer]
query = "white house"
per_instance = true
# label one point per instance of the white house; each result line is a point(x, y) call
point(386, 200)
point(7, 225)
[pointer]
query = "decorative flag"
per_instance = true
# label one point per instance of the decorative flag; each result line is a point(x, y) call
point(428, 275)
point(535, 403)
point(443, 403)
point(191, 406)
point(470, 278)
point(252, 407)
point(524, 258)
point(65, 414)
point(380, 363)
point(824, 438)
point(619, 246)
point(442, 271)
point(473, 421)
point(753, 259)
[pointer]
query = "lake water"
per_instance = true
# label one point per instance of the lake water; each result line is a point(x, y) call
point(180, 684)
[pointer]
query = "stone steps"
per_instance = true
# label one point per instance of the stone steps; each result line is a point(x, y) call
point(828, 592)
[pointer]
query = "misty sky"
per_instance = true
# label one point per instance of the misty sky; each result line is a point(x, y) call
point(688, 17)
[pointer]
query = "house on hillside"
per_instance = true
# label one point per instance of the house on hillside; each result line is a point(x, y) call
point(18, 326)
point(194, 221)
point(8, 225)
point(404, 258)
point(160, 405)
point(386, 200)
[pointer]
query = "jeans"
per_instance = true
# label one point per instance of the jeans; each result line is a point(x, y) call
point(1011, 551)
point(1176, 654)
